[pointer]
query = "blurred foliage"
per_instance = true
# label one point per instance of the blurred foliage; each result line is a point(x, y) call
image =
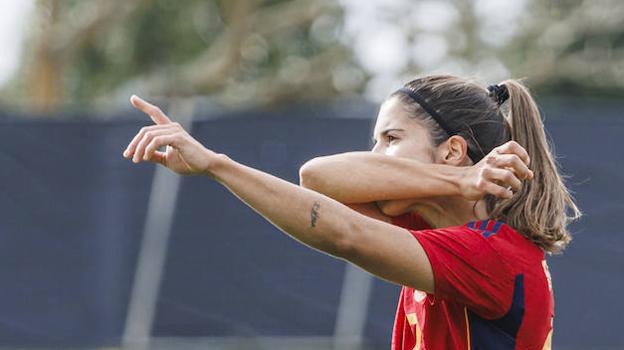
point(572, 47)
point(562, 47)
point(236, 51)
point(258, 52)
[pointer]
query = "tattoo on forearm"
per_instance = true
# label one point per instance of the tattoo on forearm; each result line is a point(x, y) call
point(314, 214)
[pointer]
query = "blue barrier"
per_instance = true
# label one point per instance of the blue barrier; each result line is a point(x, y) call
point(73, 211)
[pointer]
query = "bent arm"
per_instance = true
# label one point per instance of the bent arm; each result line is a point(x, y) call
point(363, 177)
point(325, 224)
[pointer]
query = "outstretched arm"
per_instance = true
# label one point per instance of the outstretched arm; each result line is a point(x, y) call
point(312, 218)
point(329, 226)
point(363, 177)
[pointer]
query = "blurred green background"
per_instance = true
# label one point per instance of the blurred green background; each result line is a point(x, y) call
point(91, 55)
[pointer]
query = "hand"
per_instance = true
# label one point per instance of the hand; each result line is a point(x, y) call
point(499, 173)
point(183, 154)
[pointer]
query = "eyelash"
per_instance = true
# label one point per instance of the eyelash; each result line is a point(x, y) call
point(390, 138)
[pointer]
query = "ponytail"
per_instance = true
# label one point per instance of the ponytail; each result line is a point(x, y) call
point(543, 207)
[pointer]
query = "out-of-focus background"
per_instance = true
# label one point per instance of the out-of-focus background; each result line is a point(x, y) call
point(97, 253)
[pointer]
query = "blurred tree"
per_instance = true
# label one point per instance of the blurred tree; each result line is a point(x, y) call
point(254, 52)
point(572, 47)
point(562, 47)
point(236, 51)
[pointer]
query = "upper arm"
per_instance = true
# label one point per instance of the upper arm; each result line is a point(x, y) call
point(391, 253)
point(452, 263)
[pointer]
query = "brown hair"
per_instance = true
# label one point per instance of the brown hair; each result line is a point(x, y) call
point(543, 207)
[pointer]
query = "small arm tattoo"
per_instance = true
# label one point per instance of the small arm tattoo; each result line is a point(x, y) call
point(314, 214)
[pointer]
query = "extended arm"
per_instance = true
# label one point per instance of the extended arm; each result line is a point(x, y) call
point(312, 218)
point(329, 226)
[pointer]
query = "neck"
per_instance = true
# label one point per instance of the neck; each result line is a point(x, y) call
point(451, 211)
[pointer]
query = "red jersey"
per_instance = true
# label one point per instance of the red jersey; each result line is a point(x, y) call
point(492, 291)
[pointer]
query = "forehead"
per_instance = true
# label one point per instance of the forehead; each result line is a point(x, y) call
point(393, 115)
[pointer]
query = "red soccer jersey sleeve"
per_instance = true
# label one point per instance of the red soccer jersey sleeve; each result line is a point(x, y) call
point(492, 291)
point(468, 270)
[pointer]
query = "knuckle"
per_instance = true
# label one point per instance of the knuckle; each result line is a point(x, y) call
point(508, 147)
point(481, 184)
point(140, 142)
point(508, 176)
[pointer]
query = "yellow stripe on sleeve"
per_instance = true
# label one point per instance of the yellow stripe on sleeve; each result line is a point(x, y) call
point(467, 328)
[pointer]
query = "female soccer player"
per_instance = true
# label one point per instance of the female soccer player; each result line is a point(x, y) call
point(479, 285)
point(491, 287)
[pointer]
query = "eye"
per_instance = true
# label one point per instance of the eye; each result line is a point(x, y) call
point(391, 138)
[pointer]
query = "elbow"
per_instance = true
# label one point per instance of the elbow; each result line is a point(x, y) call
point(341, 247)
point(344, 244)
point(309, 174)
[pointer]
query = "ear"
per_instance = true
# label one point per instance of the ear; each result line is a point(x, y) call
point(454, 151)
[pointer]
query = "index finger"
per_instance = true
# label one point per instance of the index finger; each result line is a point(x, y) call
point(515, 148)
point(153, 111)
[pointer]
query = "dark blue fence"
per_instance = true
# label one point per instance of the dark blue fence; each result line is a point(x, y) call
point(73, 213)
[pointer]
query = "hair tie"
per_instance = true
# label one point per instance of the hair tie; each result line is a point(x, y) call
point(498, 93)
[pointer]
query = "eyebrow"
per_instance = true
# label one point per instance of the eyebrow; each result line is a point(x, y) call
point(385, 132)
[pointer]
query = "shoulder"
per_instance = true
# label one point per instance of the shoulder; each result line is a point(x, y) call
point(468, 240)
point(504, 238)
point(468, 267)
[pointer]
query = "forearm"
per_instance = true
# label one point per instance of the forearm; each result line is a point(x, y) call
point(362, 177)
point(312, 218)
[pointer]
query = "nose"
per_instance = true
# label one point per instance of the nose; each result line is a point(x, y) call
point(378, 148)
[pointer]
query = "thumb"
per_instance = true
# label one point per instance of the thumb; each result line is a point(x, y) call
point(157, 157)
